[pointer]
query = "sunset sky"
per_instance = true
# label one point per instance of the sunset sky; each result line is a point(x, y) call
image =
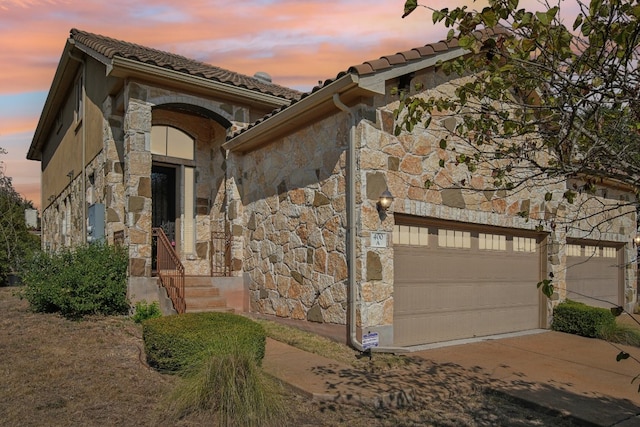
point(297, 42)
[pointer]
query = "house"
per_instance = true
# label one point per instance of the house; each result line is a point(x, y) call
point(134, 141)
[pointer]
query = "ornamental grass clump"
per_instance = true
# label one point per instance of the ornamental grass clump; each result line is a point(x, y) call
point(233, 387)
point(218, 357)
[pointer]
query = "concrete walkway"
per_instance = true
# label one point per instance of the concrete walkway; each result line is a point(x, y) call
point(578, 377)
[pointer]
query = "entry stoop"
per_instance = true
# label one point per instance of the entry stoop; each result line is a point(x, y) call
point(201, 295)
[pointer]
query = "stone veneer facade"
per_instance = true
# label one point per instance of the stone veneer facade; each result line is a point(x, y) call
point(292, 195)
point(120, 174)
point(292, 208)
point(285, 203)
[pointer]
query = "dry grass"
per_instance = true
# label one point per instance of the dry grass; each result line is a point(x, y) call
point(57, 372)
point(330, 349)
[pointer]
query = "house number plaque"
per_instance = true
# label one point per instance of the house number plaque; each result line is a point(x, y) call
point(378, 239)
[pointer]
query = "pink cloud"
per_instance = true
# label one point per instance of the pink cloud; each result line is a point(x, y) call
point(298, 43)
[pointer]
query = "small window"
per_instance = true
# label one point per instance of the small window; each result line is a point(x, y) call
point(454, 239)
point(168, 141)
point(524, 244)
point(79, 99)
point(573, 250)
point(609, 252)
point(492, 242)
point(591, 251)
point(59, 121)
point(409, 235)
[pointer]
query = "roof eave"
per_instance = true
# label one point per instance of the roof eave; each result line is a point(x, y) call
point(45, 120)
point(124, 68)
point(295, 116)
point(302, 111)
point(377, 81)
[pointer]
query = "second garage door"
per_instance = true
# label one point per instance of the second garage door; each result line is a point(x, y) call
point(594, 275)
point(453, 283)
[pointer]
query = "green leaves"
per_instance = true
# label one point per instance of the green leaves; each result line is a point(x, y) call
point(557, 101)
point(623, 355)
point(546, 287)
point(546, 18)
point(409, 6)
point(617, 311)
point(569, 196)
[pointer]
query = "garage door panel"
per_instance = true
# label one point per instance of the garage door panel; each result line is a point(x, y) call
point(452, 293)
point(594, 280)
point(462, 265)
point(465, 324)
point(462, 296)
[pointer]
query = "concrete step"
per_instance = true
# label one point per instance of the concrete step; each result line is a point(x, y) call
point(197, 281)
point(200, 304)
point(201, 291)
point(201, 295)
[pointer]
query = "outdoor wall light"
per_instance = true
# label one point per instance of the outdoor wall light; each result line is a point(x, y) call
point(384, 201)
point(636, 240)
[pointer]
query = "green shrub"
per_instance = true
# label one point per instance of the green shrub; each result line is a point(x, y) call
point(87, 280)
point(576, 318)
point(146, 311)
point(173, 343)
point(234, 387)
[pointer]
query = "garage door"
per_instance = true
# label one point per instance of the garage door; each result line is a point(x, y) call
point(453, 283)
point(594, 275)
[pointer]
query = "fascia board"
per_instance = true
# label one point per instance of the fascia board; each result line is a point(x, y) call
point(45, 120)
point(376, 82)
point(122, 67)
point(271, 127)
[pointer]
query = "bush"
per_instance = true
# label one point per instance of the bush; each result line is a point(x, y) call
point(576, 318)
point(87, 280)
point(146, 311)
point(173, 343)
point(232, 385)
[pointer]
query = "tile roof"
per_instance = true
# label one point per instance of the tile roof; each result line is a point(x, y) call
point(111, 48)
point(381, 64)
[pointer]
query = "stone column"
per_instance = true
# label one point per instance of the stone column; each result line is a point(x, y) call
point(137, 182)
point(113, 152)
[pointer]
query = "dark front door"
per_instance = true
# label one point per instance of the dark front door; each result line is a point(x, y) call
point(163, 203)
point(163, 194)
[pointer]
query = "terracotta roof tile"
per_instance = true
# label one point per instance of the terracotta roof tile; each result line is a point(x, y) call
point(112, 48)
point(396, 59)
point(417, 53)
point(423, 51)
point(384, 63)
point(440, 46)
point(362, 69)
point(379, 64)
point(453, 43)
point(410, 55)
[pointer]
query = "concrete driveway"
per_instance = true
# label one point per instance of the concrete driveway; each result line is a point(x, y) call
point(574, 375)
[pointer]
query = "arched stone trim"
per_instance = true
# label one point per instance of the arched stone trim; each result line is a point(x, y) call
point(189, 104)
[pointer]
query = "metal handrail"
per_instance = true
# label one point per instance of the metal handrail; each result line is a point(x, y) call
point(220, 254)
point(170, 270)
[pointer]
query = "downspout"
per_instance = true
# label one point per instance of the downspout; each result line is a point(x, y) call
point(84, 145)
point(351, 233)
